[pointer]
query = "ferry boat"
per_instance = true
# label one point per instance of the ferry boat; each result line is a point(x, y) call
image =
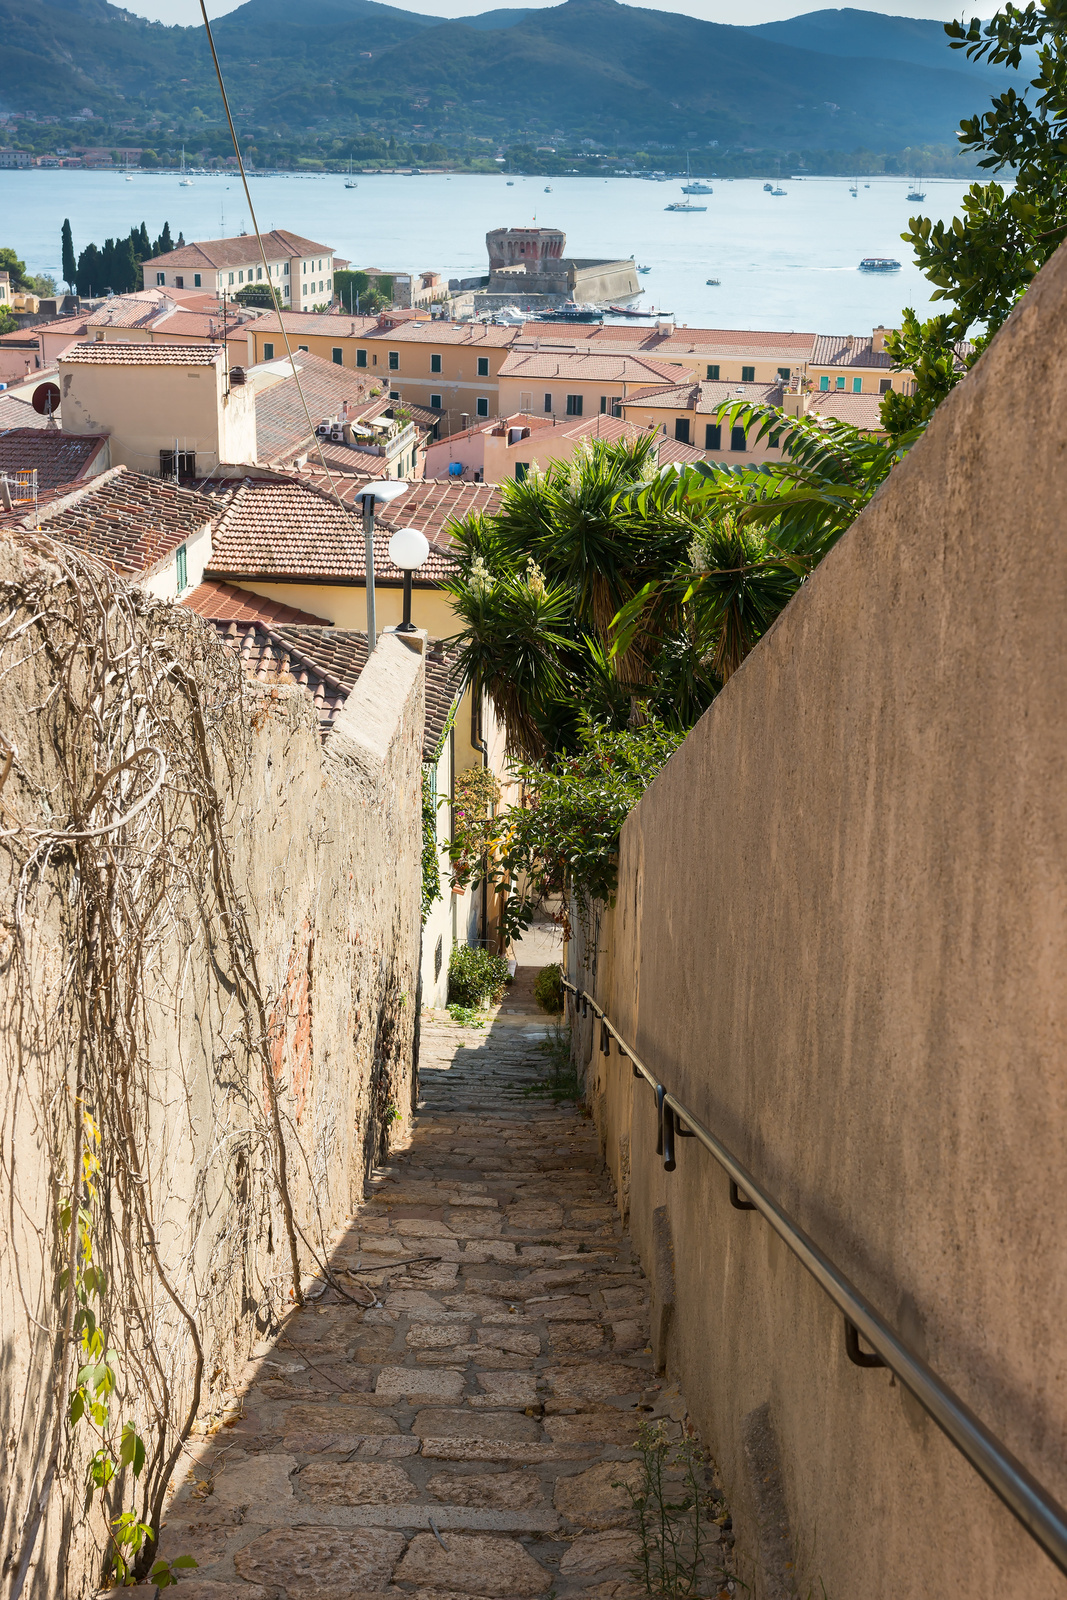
point(879, 264)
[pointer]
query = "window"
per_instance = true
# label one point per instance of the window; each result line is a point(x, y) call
point(285, 270)
point(824, 383)
point(435, 402)
point(361, 358)
point(320, 266)
point(303, 288)
point(196, 280)
point(713, 436)
point(748, 374)
point(304, 268)
point(337, 354)
point(483, 366)
point(840, 381)
point(161, 277)
point(268, 352)
point(435, 363)
point(738, 439)
point(548, 403)
point(182, 466)
point(884, 385)
point(231, 277)
point(713, 370)
point(179, 281)
point(482, 405)
point(574, 405)
point(784, 373)
point(304, 348)
point(681, 429)
point(603, 404)
point(394, 361)
point(329, 283)
point(181, 567)
point(857, 386)
point(773, 438)
point(241, 276)
point(394, 394)
point(259, 273)
point(522, 468)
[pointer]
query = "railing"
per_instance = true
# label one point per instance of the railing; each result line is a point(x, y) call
point(1042, 1516)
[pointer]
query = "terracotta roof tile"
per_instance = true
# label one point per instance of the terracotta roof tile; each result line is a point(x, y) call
point(326, 663)
point(281, 425)
point(845, 350)
point(296, 530)
point(18, 413)
point(861, 410)
point(644, 340)
point(57, 457)
point(576, 365)
point(144, 355)
point(319, 322)
point(221, 602)
point(704, 396)
point(235, 252)
point(126, 519)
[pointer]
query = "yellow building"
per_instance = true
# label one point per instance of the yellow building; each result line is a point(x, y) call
point(851, 364)
point(729, 355)
point(576, 383)
point(690, 413)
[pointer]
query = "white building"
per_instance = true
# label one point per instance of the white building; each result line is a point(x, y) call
point(300, 270)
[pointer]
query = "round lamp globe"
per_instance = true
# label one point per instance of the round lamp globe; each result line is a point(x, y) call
point(408, 549)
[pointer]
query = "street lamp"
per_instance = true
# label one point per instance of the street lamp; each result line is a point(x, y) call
point(384, 490)
point(408, 549)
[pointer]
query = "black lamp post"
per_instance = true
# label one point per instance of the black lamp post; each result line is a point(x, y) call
point(408, 549)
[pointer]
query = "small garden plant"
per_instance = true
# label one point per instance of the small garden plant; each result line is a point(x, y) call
point(476, 977)
point(548, 988)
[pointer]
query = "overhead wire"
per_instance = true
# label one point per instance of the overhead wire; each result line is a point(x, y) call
point(266, 266)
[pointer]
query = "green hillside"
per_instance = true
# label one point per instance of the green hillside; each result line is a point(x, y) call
point(586, 68)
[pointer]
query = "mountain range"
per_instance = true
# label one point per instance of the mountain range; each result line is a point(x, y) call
point(834, 80)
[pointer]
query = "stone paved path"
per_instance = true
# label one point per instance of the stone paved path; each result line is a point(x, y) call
point(461, 1438)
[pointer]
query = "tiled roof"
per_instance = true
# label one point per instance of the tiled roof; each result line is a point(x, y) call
point(433, 504)
point(323, 322)
point(845, 350)
point(704, 397)
point(235, 252)
point(221, 602)
point(131, 311)
point(479, 335)
point(57, 457)
point(861, 410)
point(126, 519)
point(295, 530)
point(327, 662)
point(643, 339)
point(281, 426)
point(144, 355)
point(17, 413)
point(576, 365)
point(69, 325)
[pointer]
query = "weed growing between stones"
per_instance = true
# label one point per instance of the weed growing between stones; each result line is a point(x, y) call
point(562, 1081)
point(466, 1016)
point(673, 1512)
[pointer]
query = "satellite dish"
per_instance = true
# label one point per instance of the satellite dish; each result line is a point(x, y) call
point(46, 399)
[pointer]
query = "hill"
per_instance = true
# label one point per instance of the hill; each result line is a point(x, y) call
point(586, 68)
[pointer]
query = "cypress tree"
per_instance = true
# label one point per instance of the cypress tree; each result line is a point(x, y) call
point(164, 244)
point(142, 248)
point(70, 267)
point(90, 275)
point(107, 264)
point(126, 269)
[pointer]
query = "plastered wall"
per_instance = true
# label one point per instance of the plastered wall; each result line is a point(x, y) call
point(325, 846)
point(840, 936)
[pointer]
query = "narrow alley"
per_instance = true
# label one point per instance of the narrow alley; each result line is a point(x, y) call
point(469, 1434)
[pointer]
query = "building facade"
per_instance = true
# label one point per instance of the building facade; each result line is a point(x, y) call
point(300, 270)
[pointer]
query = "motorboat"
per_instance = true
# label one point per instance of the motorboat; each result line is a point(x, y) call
point(853, 191)
point(511, 183)
point(713, 283)
point(643, 270)
point(879, 264)
point(548, 188)
point(631, 311)
point(510, 317)
point(697, 188)
point(768, 188)
point(572, 312)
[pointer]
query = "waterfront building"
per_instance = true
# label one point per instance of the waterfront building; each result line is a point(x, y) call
point(577, 383)
point(301, 270)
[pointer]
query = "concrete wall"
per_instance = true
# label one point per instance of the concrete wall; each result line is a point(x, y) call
point(840, 937)
point(325, 843)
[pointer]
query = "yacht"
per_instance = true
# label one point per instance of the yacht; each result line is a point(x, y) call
point(779, 190)
point(915, 193)
point(879, 264)
point(684, 205)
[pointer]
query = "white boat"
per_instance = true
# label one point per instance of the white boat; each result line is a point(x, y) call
point(713, 283)
point(186, 183)
point(350, 182)
point(684, 205)
point(779, 191)
point(548, 188)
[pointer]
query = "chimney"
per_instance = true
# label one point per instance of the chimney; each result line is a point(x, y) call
point(878, 339)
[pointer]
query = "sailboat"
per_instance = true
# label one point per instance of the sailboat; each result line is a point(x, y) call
point(691, 186)
point(350, 182)
point(186, 183)
point(688, 188)
point(915, 193)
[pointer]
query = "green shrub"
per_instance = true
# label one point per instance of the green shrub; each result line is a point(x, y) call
point(548, 988)
point(475, 977)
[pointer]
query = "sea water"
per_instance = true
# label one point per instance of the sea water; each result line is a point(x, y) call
point(788, 262)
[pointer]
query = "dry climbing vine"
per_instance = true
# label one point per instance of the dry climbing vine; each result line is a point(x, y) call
point(125, 735)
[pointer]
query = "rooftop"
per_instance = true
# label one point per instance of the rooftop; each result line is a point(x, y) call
point(125, 519)
point(860, 410)
point(847, 350)
point(295, 530)
point(221, 602)
point(321, 322)
point(281, 423)
point(144, 355)
point(16, 412)
point(704, 396)
point(277, 243)
point(58, 458)
point(576, 365)
point(730, 342)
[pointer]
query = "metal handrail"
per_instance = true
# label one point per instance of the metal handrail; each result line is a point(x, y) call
point(1041, 1515)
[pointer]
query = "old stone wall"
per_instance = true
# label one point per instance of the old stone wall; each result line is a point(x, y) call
point(299, 977)
point(840, 938)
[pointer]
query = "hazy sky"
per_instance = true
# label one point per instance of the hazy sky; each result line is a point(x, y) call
point(188, 11)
